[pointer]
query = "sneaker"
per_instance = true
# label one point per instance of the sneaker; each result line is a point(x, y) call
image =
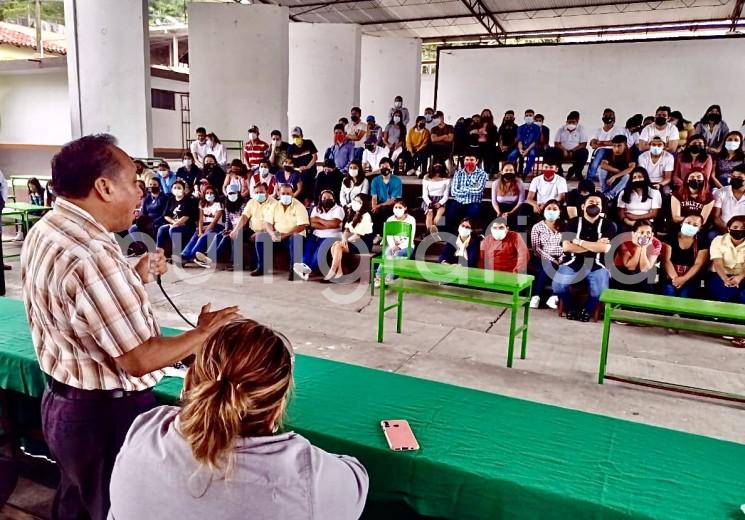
point(302, 270)
point(201, 258)
point(189, 264)
point(256, 272)
point(552, 302)
point(376, 283)
point(535, 302)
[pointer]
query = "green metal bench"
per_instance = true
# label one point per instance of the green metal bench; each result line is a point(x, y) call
point(392, 228)
point(22, 181)
point(456, 282)
point(688, 314)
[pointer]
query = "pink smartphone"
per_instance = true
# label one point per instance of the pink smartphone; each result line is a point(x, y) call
point(399, 435)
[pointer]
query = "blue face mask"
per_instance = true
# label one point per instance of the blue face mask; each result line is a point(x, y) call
point(232, 197)
point(286, 199)
point(688, 230)
point(551, 214)
point(261, 197)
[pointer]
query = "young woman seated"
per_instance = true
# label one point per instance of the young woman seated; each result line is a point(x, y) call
point(685, 255)
point(692, 198)
point(435, 192)
point(548, 253)
point(465, 250)
point(398, 245)
point(357, 236)
point(636, 258)
point(210, 226)
point(326, 221)
point(639, 200)
point(727, 279)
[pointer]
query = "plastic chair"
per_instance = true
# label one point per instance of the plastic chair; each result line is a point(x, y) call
point(392, 228)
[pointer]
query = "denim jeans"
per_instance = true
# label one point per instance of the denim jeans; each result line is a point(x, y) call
point(315, 246)
point(173, 237)
point(721, 293)
point(401, 253)
point(597, 158)
point(613, 192)
point(687, 291)
point(565, 277)
point(514, 154)
point(456, 211)
point(224, 247)
point(200, 244)
point(293, 244)
point(541, 276)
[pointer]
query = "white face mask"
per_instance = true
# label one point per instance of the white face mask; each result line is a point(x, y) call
point(264, 172)
point(232, 197)
point(286, 199)
point(464, 231)
point(210, 143)
point(276, 142)
point(655, 150)
point(210, 197)
point(732, 146)
point(528, 120)
point(178, 193)
point(164, 173)
point(356, 206)
point(399, 212)
point(397, 104)
point(437, 120)
point(188, 163)
point(498, 234)
point(571, 127)
point(253, 136)
point(353, 172)
point(396, 119)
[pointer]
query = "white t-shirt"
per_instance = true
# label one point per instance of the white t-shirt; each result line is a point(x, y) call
point(334, 213)
point(546, 191)
point(199, 150)
point(436, 188)
point(218, 150)
point(353, 128)
point(209, 212)
point(656, 171)
point(730, 206)
point(631, 139)
point(569, 139)
point(602, 135)
point(669, 132)
point(374, 158)
point(637, 207)
point(4, 188)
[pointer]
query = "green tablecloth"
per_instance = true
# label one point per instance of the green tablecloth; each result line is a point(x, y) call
point(483, 455)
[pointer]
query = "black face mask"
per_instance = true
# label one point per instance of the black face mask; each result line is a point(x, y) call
point(154, 191)
point(638, 184)
point(736, 183)
point(609, 120)
point(289, 169)
point(695, 184)
point(437, 170)
point(508, 176)
point(659, 121)
point(355, 119)
point(209, 166)
point(327, 204)
point(695, 149)
point(737, 234)
point(385, 172)
point(370, 147)
point(715, 118)
point(420, 125)
point(592, 211)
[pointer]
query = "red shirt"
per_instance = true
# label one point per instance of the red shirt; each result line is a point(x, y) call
point(508, 255)
point(253, 153)
point(654, 248)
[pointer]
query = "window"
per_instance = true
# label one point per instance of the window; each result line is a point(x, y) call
point(164, 99)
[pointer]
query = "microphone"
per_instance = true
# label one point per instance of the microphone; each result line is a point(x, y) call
point(160, 284)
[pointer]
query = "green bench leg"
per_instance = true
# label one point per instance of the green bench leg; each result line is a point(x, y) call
point(400, 311)
point(524, 346)
point(381, 307)
point(604, 348)
point(511, 344)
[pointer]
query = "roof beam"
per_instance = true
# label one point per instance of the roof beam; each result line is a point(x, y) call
point(736, 14)
point(485, 18)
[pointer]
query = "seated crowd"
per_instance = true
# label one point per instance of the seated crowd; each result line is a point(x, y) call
point(659, 206)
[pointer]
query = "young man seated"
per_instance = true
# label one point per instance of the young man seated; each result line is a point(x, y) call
point(466, 192)
point(545, 187)
point(585, 242)
point(615, 168)
point(503, 250)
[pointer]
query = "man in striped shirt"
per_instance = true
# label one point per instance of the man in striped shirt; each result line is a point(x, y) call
point(466, 192)
point(92, 324)
point(255, 150)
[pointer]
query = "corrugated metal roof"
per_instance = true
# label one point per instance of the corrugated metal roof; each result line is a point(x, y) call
point(452, 18)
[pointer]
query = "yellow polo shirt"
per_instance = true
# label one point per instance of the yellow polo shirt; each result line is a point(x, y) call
point(286, 218)
point(254, 212)
point(732, 256)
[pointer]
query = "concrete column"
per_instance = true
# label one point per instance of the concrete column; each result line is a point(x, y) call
point(108, 57)
point(390, 67)
point(324, 80)
point(238, 62)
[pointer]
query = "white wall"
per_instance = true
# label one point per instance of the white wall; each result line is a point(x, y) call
point(34, 107)
point(109, 71)
point(390, 67)
point(427, 93)
point(167, 123)
point(324, 76)
point(238, 58)
point(688, 75)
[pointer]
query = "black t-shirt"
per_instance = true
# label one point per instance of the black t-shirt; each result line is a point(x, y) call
point(508, 134)
point(215, 176)
point(186, 207)
point(575, 199)
point(620, 162)
point(685, 257)
point(303, 154)
point(581, 228)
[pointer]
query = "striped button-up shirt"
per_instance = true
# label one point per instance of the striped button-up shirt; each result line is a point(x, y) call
point(468, 188)
point(86, 305)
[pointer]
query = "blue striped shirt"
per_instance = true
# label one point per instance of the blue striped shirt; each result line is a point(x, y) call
point(468, 188)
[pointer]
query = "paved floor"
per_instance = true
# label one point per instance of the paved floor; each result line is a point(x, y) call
point(466, 345)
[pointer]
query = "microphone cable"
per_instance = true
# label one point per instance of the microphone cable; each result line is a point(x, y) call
point(160, 284)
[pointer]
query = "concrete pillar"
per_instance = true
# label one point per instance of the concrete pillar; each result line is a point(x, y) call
point(324, 80)
point(390, 67)
point(238, 62)
point(108, 68)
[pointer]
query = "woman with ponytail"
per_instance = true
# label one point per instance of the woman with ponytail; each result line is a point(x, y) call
point(222, 456)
